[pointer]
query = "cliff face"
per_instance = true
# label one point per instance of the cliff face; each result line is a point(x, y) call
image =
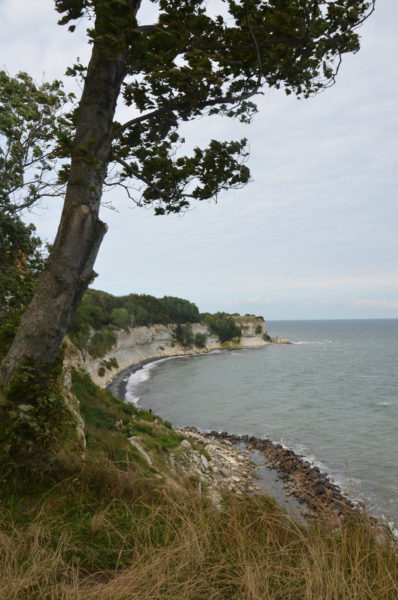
point(140, 343)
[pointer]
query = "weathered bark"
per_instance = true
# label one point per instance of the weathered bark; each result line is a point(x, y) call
point(70, 265)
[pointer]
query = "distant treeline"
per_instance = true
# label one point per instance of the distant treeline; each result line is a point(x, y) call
point(103, 313)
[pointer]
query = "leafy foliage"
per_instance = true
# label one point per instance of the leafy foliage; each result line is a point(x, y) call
point(184, 335)
point(32, 124)
point(103, 312)
point(21, 262)
point(222, 325)
point(100, 342)
point(193, 63)
point(34, 417)
point(200, 340)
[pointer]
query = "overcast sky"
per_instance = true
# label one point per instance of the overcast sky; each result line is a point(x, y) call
point(313, 236)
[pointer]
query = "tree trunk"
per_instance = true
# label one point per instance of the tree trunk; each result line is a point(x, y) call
point(69, 268)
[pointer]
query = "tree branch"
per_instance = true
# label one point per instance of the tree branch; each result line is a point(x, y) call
point(138, 175)
point(200, 106)
point(139, 119)
point(147, 28)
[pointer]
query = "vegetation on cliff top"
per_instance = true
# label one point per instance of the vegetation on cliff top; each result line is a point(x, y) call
point(104, 313)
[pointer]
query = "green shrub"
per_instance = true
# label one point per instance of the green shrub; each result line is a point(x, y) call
point(34, 417)
point(223, 326)
point(258, 329)
point(200, 340)
point(120, 318)
point(108, 365)
point(101, 342)
point(184, 335)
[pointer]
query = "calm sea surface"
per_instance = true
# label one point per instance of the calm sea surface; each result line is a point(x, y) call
point(332, 396)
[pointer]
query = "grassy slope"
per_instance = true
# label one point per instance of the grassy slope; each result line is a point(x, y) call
point(110, 527)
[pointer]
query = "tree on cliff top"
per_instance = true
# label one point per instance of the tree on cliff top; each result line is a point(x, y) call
point(186, 65)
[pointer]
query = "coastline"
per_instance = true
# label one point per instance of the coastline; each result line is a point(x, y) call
point(117, 385)
point(296, 485)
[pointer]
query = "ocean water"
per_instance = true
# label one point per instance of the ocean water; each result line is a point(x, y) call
point(332, 396)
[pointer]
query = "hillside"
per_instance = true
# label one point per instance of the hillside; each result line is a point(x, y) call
point(145, 515)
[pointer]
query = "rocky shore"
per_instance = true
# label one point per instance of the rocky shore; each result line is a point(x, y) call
point(234, 469)
point(217, 463)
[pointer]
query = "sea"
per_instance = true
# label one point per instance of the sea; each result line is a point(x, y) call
point(331, 396)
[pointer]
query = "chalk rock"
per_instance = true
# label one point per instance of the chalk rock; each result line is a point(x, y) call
point(204, 460)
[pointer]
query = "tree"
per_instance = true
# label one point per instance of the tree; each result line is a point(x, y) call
point(187, 65)
point(32, 120)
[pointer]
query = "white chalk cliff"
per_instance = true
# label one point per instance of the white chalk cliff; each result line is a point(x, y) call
point(141, 343)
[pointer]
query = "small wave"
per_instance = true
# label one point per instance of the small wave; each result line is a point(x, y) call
point(342, 481)
point(302, 343)
point(391, 526)
point(135, 380)
point(131, 398)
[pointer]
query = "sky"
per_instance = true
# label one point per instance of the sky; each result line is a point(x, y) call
point(313, 236)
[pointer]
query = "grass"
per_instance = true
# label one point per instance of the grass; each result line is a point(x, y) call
point(108, 528)
point(100, 410)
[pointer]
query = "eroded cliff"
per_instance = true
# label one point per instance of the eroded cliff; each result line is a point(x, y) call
point(137, 344)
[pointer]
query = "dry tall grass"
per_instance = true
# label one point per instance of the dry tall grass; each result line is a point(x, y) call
point(165, 544)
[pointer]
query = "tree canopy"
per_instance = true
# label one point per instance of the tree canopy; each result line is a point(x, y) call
point(191, 64)
point(103, 312)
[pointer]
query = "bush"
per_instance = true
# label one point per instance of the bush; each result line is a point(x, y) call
point(34, 417)
point(200, 340)
point(120, 318)
point(100, 342)
point(223, 326)
point(184, 335)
